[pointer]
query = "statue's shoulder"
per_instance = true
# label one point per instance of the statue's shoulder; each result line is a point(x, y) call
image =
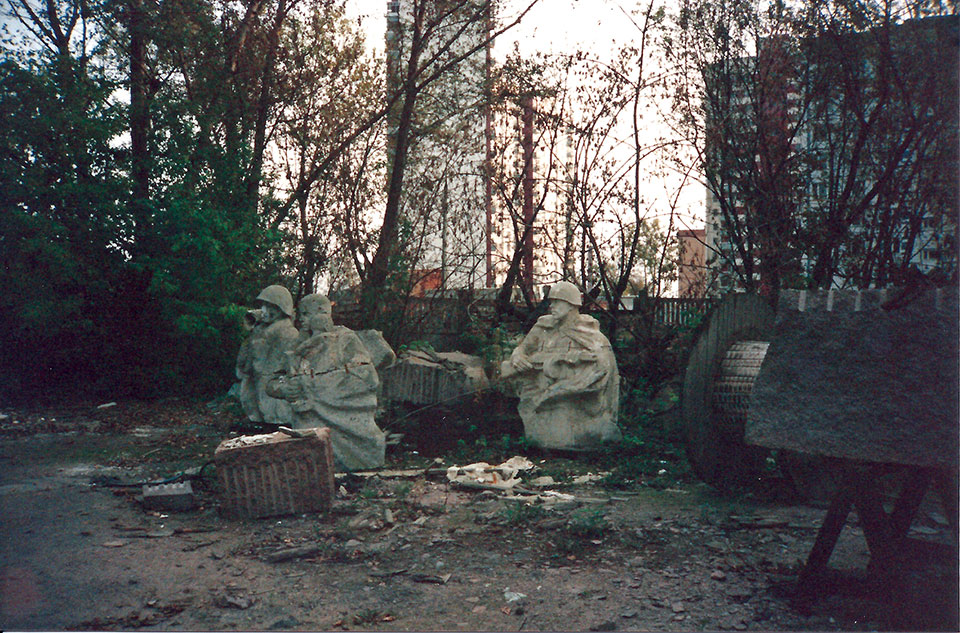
point(343, 331)
point(588, 322)
point(282, 328)
point(547, 322)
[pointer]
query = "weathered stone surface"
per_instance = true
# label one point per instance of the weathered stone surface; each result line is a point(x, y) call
point(275, 474)
point(263, 354)
point(567, 377)
point(422, 377)
point(330, 381)
point(381, 354)
point(866, 379)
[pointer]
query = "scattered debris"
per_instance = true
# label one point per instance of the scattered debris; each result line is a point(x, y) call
point(756, 523)
point(541, 482)
point(115, 543)
point(293, 553)
point(431, 578)
point(512, 596)
point(227, 601)
point(588, 478)
point(484, 476)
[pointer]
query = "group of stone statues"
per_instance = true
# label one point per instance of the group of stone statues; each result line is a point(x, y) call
point(326, 375)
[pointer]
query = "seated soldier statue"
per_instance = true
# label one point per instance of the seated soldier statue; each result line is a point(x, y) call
point(263, 354)
point(567, 377)
point(331, 381)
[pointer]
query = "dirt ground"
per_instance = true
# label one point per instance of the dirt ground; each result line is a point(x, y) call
point(78, 550)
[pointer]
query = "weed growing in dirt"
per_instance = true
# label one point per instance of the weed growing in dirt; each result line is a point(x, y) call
point(519, 514)
point(370, 616)
point(368, 493)
point(587, 524)
point(580, 529)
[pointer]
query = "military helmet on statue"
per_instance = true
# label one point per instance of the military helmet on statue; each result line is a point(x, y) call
point(315, 303)
point(565, 291)
point(278, 296)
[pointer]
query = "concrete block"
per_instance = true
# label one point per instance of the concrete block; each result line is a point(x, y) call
point(176, 497)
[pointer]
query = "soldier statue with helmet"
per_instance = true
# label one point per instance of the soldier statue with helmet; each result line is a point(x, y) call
point(272, 334)
point(330, 380)
point(567, 377)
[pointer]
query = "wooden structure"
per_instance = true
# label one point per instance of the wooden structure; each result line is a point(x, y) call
point(275, 474)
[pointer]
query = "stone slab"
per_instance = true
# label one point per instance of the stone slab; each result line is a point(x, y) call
point(862, 379)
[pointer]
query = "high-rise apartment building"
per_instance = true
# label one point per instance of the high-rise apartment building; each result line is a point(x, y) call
point(796, 151)
point(445, 199)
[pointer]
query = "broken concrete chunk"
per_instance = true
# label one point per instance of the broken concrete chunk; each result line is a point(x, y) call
point(381, 354)
point(422, 377)
point(176, 497)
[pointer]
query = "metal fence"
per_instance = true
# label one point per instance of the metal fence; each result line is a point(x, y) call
point(681, 311)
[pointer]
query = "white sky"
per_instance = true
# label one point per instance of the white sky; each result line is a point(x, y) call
point(556, 26)
point(551, 26)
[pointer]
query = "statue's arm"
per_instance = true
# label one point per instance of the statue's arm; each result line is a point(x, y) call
point(592, 375)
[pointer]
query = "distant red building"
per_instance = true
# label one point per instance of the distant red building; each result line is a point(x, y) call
point(692, 273)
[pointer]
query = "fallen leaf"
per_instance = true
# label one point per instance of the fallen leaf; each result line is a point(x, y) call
point(505, 610)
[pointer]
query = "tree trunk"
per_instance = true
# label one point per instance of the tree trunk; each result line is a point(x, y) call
point(139, 122)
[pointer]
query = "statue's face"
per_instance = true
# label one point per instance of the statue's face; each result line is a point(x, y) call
point(269, 312)
point(319, 321)
point(560, 308)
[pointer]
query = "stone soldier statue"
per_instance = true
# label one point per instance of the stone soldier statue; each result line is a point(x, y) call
point(263, 354)
point(331, 381)
point(567, 377)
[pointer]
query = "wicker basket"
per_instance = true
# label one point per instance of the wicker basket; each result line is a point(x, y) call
point(276, 475)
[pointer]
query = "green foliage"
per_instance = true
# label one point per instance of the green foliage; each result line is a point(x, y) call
point(519, 514)
point(417, 346)
point(492, 344)
point(588, 524)
point(490, 450)
point(582, 527)
point(105, 294)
